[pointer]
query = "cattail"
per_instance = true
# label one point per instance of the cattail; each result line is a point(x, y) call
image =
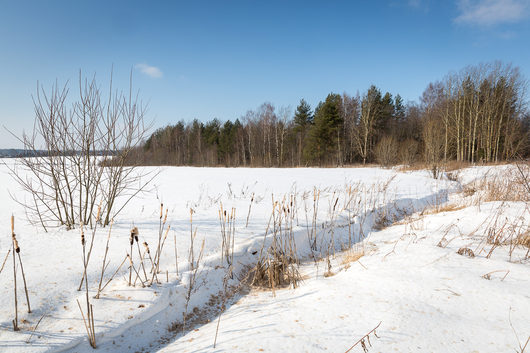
point(134, 235)
point(82, 234)
point(15, 244)
point(146, 247)
point(165, 217)
point(161, 210)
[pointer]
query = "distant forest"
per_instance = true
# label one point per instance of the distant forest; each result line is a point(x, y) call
point(476, 115)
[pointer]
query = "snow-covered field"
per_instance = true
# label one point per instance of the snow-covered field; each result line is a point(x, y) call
point(427, 297)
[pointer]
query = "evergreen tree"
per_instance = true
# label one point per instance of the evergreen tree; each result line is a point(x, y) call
point(324, 135)
point(303, 117)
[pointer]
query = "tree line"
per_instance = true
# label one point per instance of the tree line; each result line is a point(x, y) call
point(478, 114)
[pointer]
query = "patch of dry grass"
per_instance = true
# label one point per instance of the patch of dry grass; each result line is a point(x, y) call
point(351, 256)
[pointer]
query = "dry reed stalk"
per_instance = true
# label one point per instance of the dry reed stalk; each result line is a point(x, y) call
point(134, 234)
point(158, 256)
point(367, 338)
point(223, 307)
point(149, 255)
point(98, 219)
point(488, 275)
point(249, 208)
point(135, 271)
point(105, 264)
point(89, 324)
point(192, 278)
point(155, 262)
point(5, 260)
point(176, 256)
point(131, 242)
point(14, 247)
point(35, 328)
point(114, 274)
point(278, 265)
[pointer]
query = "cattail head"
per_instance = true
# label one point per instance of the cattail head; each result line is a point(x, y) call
point(82, 234)
point(134, 234)
point(146, 247)
point(161, 210)
point(15, 244)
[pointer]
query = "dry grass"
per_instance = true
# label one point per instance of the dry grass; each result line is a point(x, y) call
point(523, 240)
point(449, 207)
point(509, 185)
point(466, 252)
point(351, 256)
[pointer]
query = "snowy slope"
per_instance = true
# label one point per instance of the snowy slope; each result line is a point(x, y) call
point(404, 289)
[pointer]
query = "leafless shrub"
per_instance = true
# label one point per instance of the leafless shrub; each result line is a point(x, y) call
point(408, 151)
point(66, 182)
point(385, 151)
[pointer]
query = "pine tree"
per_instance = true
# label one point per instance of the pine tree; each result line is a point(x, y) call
point(303, 116)
point(324, 135)
point(303, 119)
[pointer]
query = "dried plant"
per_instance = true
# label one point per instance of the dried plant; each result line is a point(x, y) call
point(16, 254)
point(89, 319)
point(5, 260)
point(277, 266)
point(363, 341)
point(249, 208)
point(161, 239)
point(94, 228)
point(466, 252)
point(86, 142)
point(193, 269)
point(105, 263)
point(228, 230)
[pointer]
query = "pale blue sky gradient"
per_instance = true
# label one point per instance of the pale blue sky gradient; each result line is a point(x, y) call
point(217, 59)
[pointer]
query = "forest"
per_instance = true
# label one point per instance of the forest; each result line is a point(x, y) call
point(476, 115)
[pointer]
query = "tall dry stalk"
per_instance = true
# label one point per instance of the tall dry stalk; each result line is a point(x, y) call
point(5, 260)
point(193, 263)
point(16, 250)
point(89, 320)
point(156, 260)
point(105, 264)
point(14, 245)
point(249, 208)
point(98, 219)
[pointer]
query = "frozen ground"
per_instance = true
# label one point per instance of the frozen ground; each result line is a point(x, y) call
point(427, 297)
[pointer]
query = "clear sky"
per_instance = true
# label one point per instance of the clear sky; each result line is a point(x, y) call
point(217, 59)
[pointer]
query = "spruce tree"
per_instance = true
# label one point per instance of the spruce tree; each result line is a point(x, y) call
point(324, 134)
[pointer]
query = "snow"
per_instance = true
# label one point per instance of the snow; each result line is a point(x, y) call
point(427, 297)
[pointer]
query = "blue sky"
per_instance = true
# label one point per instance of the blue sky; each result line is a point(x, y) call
point(207, 59)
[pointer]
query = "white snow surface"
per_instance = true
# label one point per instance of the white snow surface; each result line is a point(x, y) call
point(427, 297)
